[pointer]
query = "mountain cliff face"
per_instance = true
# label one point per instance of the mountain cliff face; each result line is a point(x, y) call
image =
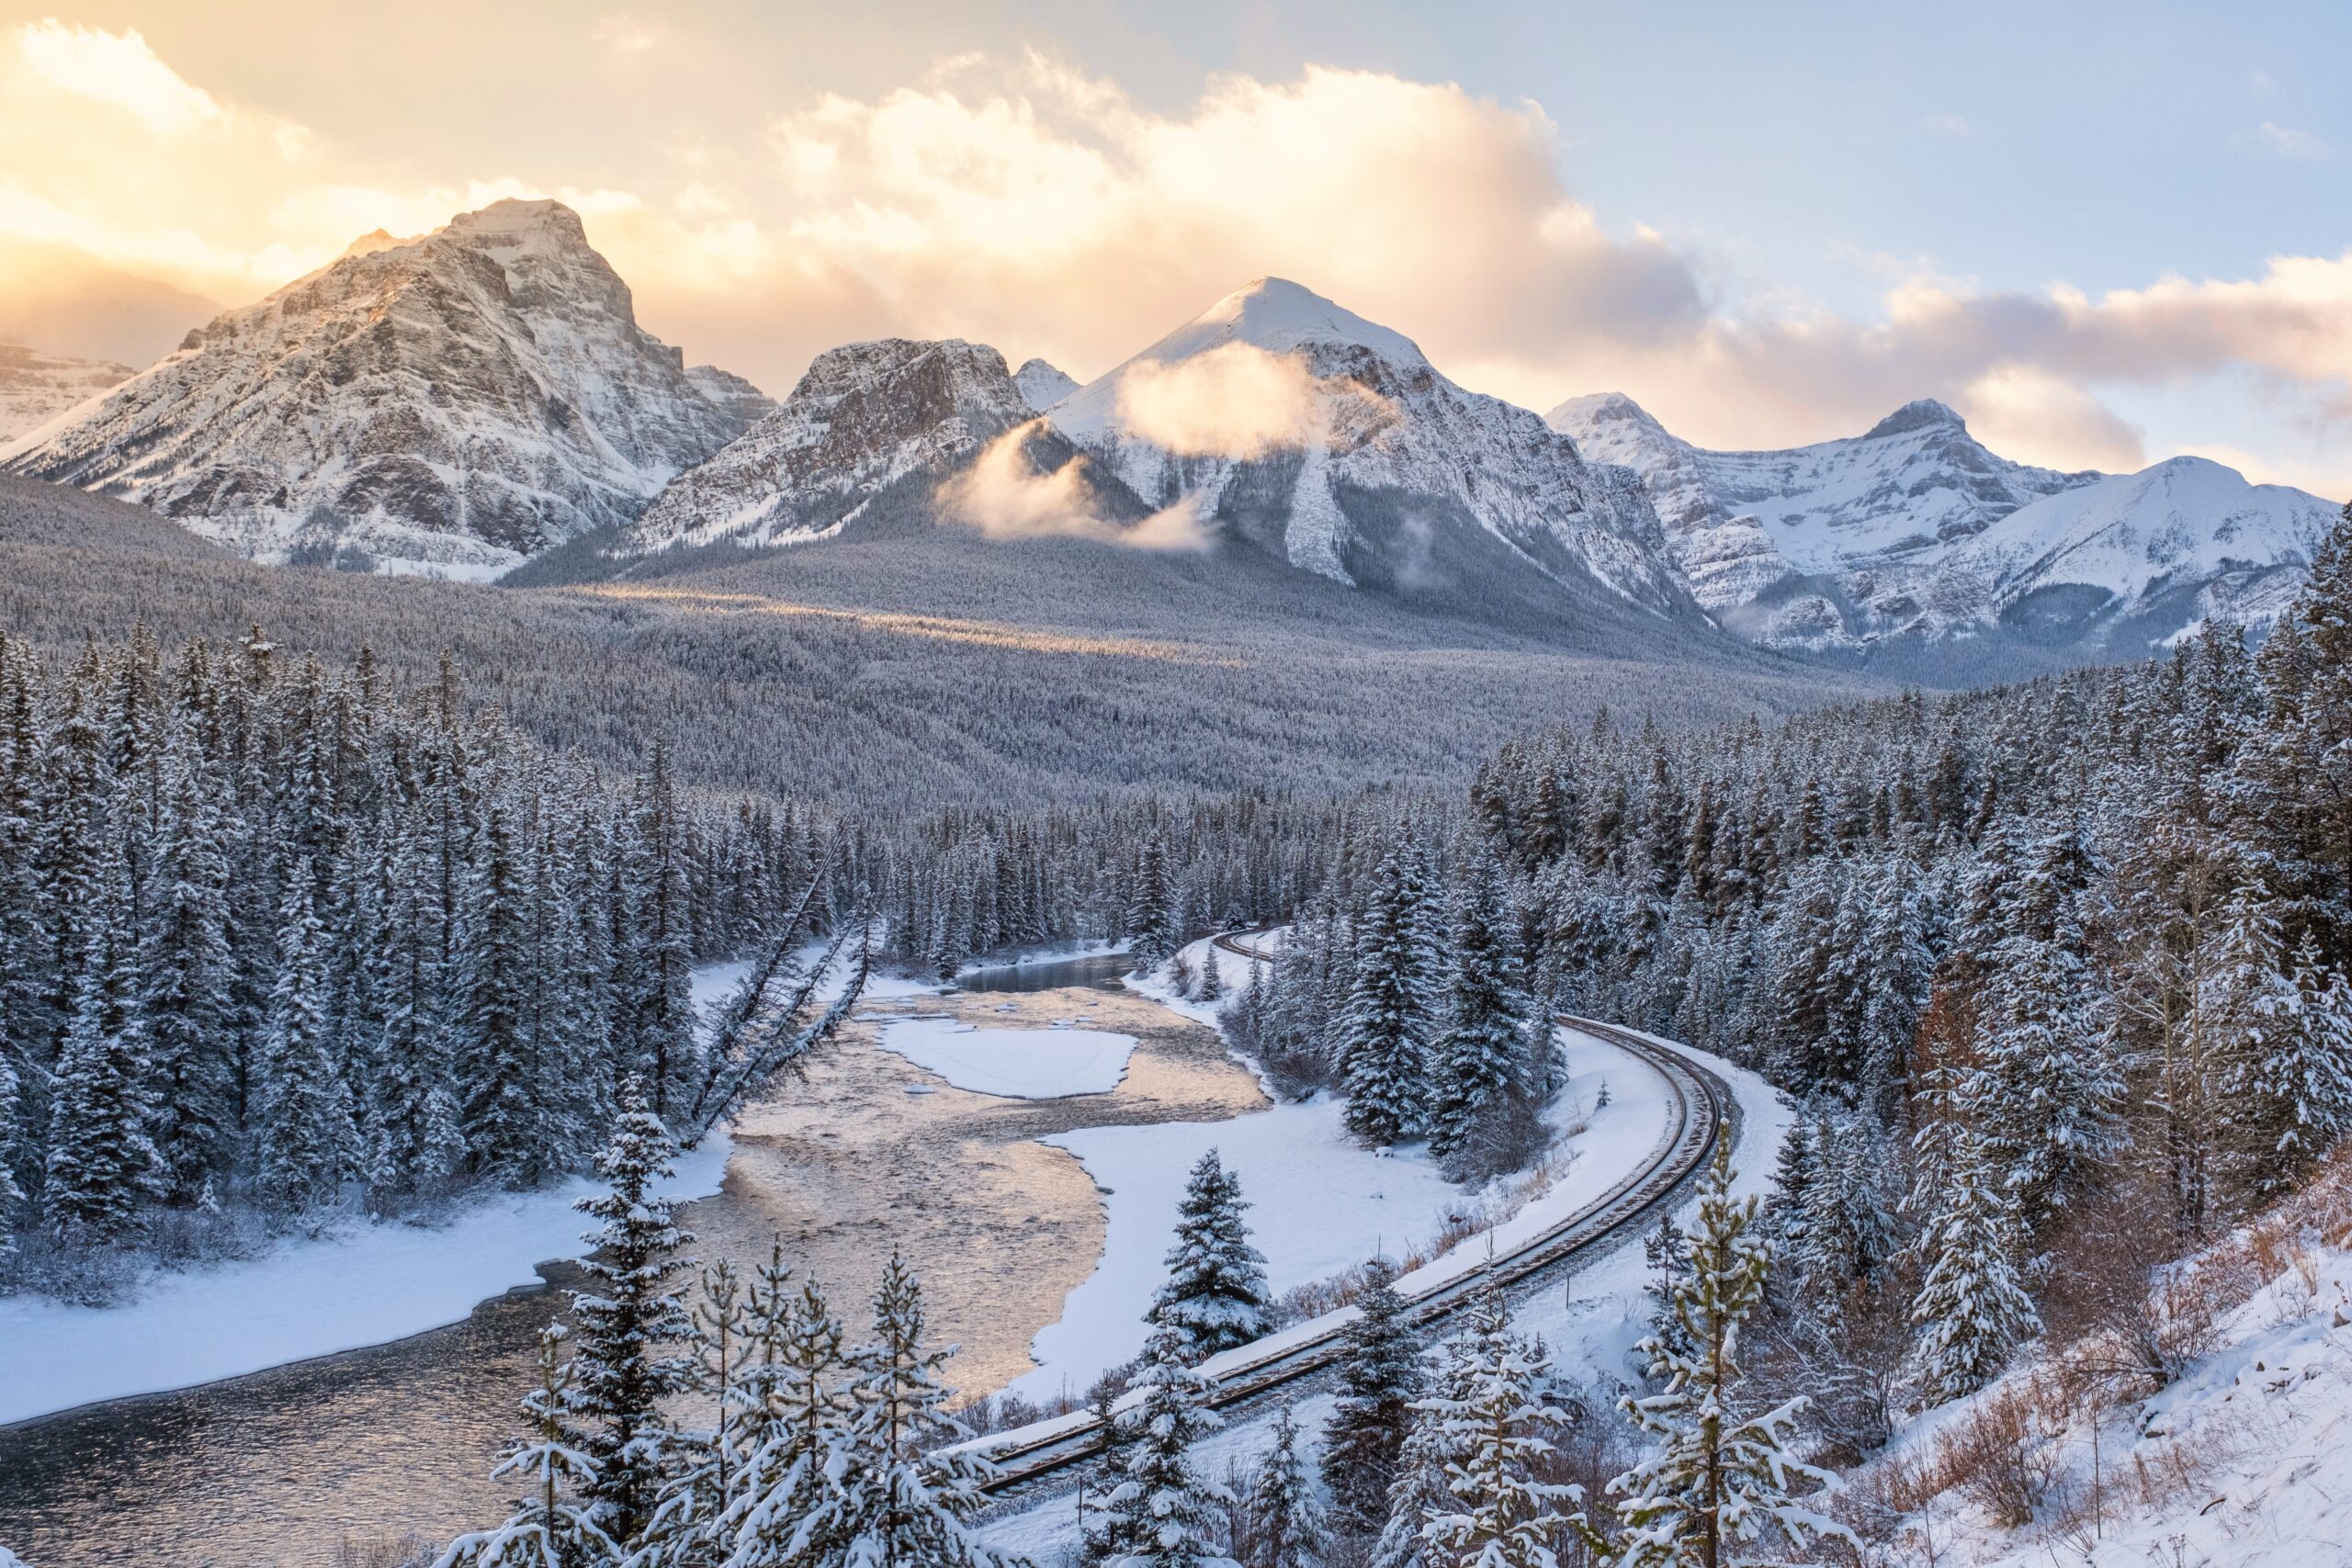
point(36, 387)
point(866, 417)
point(1334, 442)
point(1913, 534)
point(1044, 385)
point(454, 402)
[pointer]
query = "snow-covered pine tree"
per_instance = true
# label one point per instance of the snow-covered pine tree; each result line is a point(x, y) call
point(1667, 1251)
point(302, 1118)
point(1972, 1307)
point(2286, 1059)
point(1719, 1478)
point(1153, 935)
point(1424, 1464)
point(1285, 1521)
point(1380, 1376)
point(902, 1495)
point(1794, 1173)
point(1497, 1514)
point(1162, 1511)
point(1478, 1058)
point(655, 1026)
point(552, 1526)
point(1215, 1296)
point(800, 1419)
point(1382, 1050)
point(622, 1370)
point(185, 967)
point(103, 1168)
point(684, 1531)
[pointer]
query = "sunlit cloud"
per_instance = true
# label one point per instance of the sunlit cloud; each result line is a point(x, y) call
point(2277, 141)
point(117, 69)
point(1005, 495)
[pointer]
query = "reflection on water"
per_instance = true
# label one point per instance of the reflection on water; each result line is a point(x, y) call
point(278, 1468)
point(1101, 969)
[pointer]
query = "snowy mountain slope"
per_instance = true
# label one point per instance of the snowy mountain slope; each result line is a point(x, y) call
point(457, 399)
point(1332, 441)
point(866, 417)
point(1044, 385)
point(1899, 542)
point(37, 388)
point(2175, 544)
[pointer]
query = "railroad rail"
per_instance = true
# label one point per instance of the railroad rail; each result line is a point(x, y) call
point(1685, 1145)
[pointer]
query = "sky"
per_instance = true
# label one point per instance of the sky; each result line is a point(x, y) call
point(2107, 233)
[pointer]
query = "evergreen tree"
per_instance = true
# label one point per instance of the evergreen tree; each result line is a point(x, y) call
point(1497, 1514)
point(102, 1167)
point(1162, 1511)
point(1667, 1252)
point(186, 968)
point(1383, 1048)
point(1478, 1057)
point(1424, 1467)
point(550, 1527)
point(684, 1530)
point(901, 1497)
point(1285, 1523)
point(303, 1120)
point(1215, 1296)
point(1970, 1307)
point(1719, 1478)
point(800, 1419)
point(1153, 933)
point(622, 1372)
point(1379, 1376)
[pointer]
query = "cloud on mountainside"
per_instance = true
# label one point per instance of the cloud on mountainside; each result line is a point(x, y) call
point(1004, 496)
point(1237, 401)
point(1028, 204)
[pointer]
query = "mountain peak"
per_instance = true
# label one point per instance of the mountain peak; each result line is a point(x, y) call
point(1277, 315)
point(1920, 414)
point(1044, 384)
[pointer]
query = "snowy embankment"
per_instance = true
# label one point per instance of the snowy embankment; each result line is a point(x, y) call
point(1591, 1323)
point(2246, 1460)
point(358, 1284)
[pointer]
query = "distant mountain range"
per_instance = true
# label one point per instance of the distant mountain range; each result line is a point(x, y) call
point(1895, 546)
point(463, 401)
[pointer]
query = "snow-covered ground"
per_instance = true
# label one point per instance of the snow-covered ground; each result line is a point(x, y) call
point(2246, 1462)
point(1591, 1323)
point(358, 1284)
point(363, 1284)
point(1017, 1064)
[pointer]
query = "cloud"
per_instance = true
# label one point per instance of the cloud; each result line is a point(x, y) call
point(1949, 125)
point(2277, 141)
point(117, 69)
point(1237, 401)
point(625, 37)
point(1020, 202)
point(1005, 495)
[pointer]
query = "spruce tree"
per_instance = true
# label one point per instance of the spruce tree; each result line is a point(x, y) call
point(1153, 934)
point(1477, 1058)
point(684, 1530)
point(1214, 1297)
point(103, 1168)
point(800, 1419)
point(1379, 1378)
point(1162, 1513)
point(1383, 1043)
point(625, 1322)
point(1667, 1251)
point(901, 1496)
point(1497, 1514)
point(1285, 1523)
point(1972, 1307)
point(186, 969)
point(551, 1526)
point(1719, 1478)
point(304, 1116)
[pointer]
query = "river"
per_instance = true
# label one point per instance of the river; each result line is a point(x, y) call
point(323, 1463)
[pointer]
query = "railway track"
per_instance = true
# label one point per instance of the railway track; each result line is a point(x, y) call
point(1030, 1455)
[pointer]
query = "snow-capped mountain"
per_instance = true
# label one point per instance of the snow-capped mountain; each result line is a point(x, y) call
point(2135, 558)
point(1913, 533)
point(36, 387)
point(866, 417)
point(1044, 385)
point(1333, 440)
point(455, 400)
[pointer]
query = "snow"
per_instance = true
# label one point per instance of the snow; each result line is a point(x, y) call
point(363, 1284)
point(1015, 1064)
point(1591, 1323)
point(359, 1284)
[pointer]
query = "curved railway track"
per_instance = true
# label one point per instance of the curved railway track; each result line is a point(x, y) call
point(1701, 1102)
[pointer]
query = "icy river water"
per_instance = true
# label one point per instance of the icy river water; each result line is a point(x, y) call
point(318, 1463)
